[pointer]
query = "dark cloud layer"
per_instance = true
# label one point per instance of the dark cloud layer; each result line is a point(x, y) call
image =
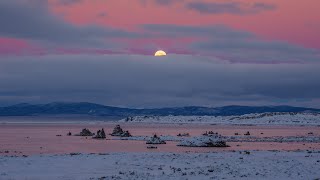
point(68, 2)
point(195, 31)
point(238, 8)
point(167, 2)
point(225, 7)
point(143, 81)
point(161, 2)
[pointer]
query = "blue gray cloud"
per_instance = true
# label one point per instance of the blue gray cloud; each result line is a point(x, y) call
point(68, 2)
point(146, 81)
point(167, 2)
point(231, 7)
point(19, 19)
point(161, 2)
point(172, 30)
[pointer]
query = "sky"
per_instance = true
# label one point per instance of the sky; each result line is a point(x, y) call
point(220, 52)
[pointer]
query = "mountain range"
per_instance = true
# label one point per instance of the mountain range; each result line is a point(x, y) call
point(91, 109)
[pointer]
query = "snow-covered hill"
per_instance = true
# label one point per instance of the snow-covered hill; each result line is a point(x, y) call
point(274, 118)
point(90, 109)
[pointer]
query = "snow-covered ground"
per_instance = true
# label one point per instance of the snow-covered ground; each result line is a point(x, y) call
point(204, 141)
point(228, 165)
point(248, 119)
point(302, 139)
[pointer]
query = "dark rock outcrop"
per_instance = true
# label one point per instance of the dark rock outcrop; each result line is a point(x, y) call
point(152, 147)
point(100, 134)
point(183, 135)
point(210, 133)
point(216, 144)
point(118, 131)
point(85, 132)
point(126, 134)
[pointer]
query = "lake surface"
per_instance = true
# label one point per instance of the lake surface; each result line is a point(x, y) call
point(40, 138)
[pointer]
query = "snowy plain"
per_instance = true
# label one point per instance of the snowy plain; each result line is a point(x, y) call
point(226, 165)
point(248, 119)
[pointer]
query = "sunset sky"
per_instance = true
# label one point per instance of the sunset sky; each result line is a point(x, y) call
point(220, 52)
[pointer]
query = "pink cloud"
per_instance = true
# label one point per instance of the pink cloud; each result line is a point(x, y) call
point(285, 22)
point(12, 46)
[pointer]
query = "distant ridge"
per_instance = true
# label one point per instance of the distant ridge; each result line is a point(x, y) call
point(91, 109)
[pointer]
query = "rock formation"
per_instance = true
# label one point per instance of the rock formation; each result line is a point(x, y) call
point(210, 133)
point(118, 131)
point(126, 134)
point(216, 144)
point(155, 140)
point(152, 147)
point(100, 134)
point(85, 132)
point(183, 135)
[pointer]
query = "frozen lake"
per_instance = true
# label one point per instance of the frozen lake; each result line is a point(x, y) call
point(40, 138)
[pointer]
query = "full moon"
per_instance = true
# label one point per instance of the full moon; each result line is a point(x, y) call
point(160, 53)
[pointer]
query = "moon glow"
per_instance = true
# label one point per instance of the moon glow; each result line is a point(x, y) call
point(160, 53)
